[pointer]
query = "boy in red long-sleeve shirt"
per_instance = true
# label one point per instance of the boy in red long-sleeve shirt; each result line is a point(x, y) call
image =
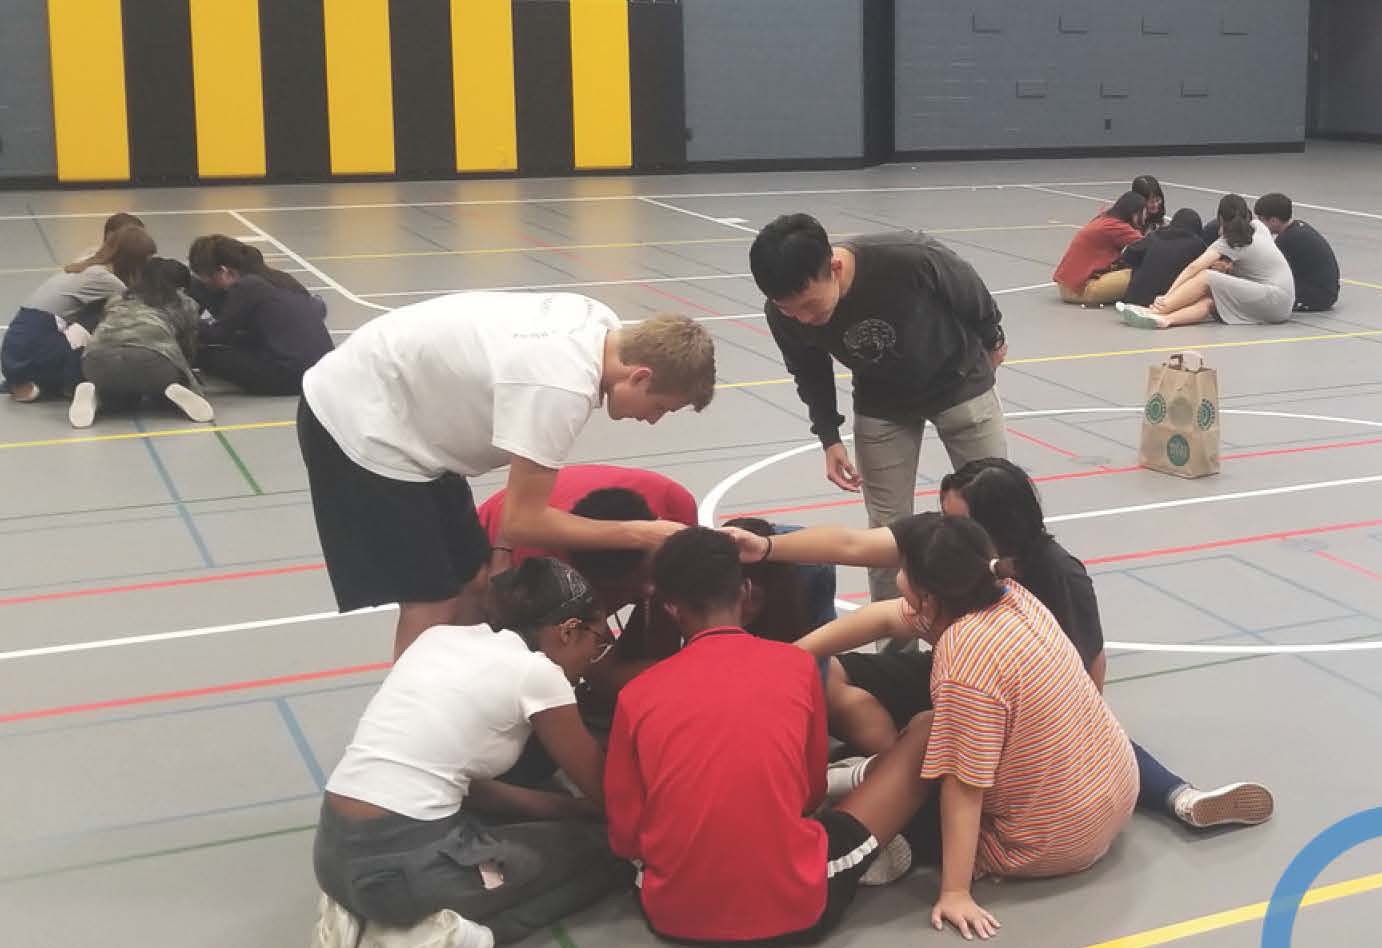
point(718, 758)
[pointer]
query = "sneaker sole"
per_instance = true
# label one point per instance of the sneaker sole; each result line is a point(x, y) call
point(893, 862)
point(82, 413)
point(1135, 319)
point(1244, 804)
point(190, 403)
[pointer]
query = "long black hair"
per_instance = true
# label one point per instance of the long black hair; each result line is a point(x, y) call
point(1187, 219)
point(953, 559)
point(1149, 187)
point(1235, 220)
point(1004, 501)
point(1126, 208)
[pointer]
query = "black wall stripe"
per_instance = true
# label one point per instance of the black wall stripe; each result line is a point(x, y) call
point(160, 103)
point(657, 84)
point(542, 86)
point(880, 79)
point(292, 47)
point(424, 114)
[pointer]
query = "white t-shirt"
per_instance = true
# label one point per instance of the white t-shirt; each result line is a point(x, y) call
point(462, 382)
point(454, 708)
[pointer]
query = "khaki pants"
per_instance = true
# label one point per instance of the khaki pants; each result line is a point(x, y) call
point(1109, 288)
point(888, 452)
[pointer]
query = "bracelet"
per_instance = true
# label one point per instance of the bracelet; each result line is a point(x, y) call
point(768, 552)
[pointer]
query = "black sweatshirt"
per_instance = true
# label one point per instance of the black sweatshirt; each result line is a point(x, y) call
point(1313, 265)
point(288, 325)
point(1157, 260)
point(915, 328)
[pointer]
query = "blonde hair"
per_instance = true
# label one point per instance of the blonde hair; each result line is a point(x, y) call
point(678, 350)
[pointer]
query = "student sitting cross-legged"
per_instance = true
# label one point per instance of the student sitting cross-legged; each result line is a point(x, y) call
point(1036, 776)
point(717, 761)
point(414, 822)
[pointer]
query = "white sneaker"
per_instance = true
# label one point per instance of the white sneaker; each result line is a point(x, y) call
point(1245, 804)
point(336, 927)
point(892, 863)
point(193, 405)
point(844, 776)
point(82, 412)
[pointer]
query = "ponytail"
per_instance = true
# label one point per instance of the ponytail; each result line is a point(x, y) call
point(1235, 221)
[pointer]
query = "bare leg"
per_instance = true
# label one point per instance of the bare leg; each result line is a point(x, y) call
point(1188, 315)
point(857, 717)
point(893, 790)
point(1191, 291)
point(414, 618)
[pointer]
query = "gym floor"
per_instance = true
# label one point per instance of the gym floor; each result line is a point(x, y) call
point(175, 684)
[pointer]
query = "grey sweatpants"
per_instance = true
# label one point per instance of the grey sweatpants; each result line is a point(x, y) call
point(397, 871)
point(887, 453)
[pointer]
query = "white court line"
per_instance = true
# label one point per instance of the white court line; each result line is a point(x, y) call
point(705, 514)
point(594, 198)
point(722, 221)
point(1083, 197)
point(562, 286)
point(183, 634)
point(303, 261)
point(1313, 207)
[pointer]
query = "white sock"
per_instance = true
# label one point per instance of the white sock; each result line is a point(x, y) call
point(846, 776)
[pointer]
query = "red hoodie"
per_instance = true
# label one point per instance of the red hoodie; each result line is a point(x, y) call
point(1095, 249)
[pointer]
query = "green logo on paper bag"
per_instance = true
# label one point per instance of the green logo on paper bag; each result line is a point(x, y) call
point(1178, 450)
point(1156, 409)
point(1206, 415)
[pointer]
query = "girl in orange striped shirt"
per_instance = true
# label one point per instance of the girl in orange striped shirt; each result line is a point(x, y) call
point(1036, 776)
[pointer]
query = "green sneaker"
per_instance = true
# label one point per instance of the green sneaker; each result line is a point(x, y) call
point(1138, 316)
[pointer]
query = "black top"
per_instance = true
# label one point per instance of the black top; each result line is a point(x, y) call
point(1157, 260)
point(1313, 264)
point(289, 325)
point(1060, 581)
point(915, 328)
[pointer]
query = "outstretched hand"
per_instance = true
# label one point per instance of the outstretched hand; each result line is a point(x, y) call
point(960, 910)
point(752, 547)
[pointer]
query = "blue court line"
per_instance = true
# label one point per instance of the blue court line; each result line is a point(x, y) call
point(173, 493)
point(160, 820)
point(143, 574)
point(371, 682)
point(314, 769)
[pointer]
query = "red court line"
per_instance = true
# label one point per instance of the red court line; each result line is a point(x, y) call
point(1220, 544)
point(1070, 475)
point(1044, 444)
point(383, 666)
point(163, 584)
point(191, 693)
point(1347, 564)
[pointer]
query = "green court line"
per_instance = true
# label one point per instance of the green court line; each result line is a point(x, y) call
point(136, 857)
point(239, 462)
point(562, 936)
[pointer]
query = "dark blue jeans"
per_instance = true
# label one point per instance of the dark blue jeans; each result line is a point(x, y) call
point(35, 350)
point(1157, 783)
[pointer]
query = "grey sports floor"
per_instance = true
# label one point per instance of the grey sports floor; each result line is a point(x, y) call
point(174, 683)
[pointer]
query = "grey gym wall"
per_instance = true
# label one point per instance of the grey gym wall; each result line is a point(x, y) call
point(26, 97)
point(1348, 43)
point(773, 79)
point(997, 74)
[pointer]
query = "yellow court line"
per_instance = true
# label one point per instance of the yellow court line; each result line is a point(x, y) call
point(1078, 356)
point(630, 244)
point(1371, 286)
point(136, 435)
point(755, 383)
point(1247, 913)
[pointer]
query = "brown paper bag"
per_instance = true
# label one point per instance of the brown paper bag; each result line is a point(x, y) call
point(1180, 421)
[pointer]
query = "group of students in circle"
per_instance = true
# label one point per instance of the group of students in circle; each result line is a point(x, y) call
point(121, 324)
point(1243, 267)
point(718, 701)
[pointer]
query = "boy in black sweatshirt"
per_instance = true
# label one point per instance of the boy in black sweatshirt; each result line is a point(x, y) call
point(920, 333)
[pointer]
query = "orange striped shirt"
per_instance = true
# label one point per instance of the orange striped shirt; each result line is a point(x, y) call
point(1017, 715)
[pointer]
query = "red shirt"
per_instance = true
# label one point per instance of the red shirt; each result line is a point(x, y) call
point(716, 755)
point(667, 499)
point(1095, 249)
